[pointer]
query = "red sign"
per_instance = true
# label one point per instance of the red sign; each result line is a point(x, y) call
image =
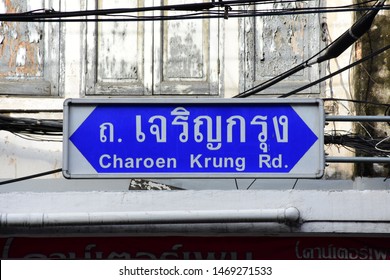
point(197, 248)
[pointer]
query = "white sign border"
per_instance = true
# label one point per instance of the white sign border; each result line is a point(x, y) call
point(315, 155)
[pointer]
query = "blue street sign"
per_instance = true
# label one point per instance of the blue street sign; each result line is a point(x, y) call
point(202, 138)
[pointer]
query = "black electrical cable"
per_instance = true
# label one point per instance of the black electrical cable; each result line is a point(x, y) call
point(337, 72)
point(31, 176)
point(82, 16)
point(33, 129)
point(356, 101)
point(349, 37)
point(30, 125)
point(366, 146)
point(214, 15)
point(50, 13)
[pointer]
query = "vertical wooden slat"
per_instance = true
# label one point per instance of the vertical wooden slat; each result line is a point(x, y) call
point(29, 52)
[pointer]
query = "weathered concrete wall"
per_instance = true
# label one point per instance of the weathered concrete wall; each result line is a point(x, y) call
point(371, 83)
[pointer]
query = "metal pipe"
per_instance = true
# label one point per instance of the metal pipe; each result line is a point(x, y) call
point(43, 220)
point(357, 118)
point(358, 159)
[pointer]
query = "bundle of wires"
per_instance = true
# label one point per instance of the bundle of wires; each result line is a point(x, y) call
point(364, 145)
point(33, 129)
point(198, 10)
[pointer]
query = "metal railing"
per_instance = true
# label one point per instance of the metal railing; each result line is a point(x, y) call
point(330, 159)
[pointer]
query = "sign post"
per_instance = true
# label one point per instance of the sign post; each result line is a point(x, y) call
point(193, 138)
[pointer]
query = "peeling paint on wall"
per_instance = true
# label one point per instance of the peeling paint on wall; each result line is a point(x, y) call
point(188, 62)
point(273, 44)
point(282, 41)
point(184, 45)
point(371, 82)
point(21, 57)
point(20, 44)
point(118, 47)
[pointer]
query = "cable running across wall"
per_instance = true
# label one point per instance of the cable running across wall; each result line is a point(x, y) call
point(223, 9)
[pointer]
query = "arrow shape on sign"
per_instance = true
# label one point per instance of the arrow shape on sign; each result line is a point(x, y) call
point(193, 138)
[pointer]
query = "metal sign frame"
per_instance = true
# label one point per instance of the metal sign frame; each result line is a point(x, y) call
point(309, 113)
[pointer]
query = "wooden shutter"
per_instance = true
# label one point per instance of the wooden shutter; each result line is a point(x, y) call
point(116, 53)
point(178, 57)
point(186, 55)
point(29, 52)
point(274, 44)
